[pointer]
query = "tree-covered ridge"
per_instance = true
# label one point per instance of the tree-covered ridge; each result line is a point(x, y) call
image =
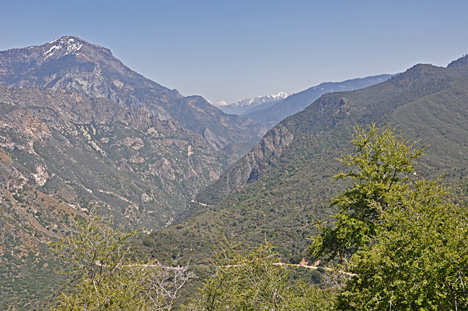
point(427, 102)
point(275, 190)
point(397, 241)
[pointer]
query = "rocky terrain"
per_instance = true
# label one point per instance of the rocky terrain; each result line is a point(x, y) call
point(96, 151)
point(62, 154)
point(72, 64)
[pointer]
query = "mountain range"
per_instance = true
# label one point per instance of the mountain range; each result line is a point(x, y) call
point(72, 64)
point(249, 105)
point(282, 186)
point(271, 114)
point(79, 130)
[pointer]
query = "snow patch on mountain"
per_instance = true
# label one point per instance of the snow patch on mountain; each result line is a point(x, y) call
point(68, 44)
point(241, 106)
point(221, 103)
point(255, 101)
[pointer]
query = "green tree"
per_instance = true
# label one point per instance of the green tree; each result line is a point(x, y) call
point(381, 168)
point(420, 261)
point(104, 278)
point(405, 240)
point(256, 279)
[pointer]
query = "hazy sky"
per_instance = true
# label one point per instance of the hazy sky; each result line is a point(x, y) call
point(229, 50)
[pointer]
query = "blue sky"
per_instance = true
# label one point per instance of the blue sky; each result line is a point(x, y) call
point(229, 50)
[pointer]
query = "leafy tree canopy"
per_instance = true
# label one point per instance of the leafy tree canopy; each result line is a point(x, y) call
point(256, 279)
point(404, 238)
point(380, 170)
point(104, 277)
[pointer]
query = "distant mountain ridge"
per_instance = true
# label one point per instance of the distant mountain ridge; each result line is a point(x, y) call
point(72, 64)
point(271, 115)
point(461, 62)
point(282, 186)
point(245, 106)
point(80, 130)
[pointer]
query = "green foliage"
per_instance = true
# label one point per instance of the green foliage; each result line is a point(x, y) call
point(306, 297)
point(104, 278)
point(94, 253)
point(405, 239)
point(256, 279)
point(419, 263)
point(381, 168)
point(426, 103)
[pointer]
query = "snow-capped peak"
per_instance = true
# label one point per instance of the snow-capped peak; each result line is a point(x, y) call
point(241, 106)
point(221, 103)
point(255, 101)
point(68, 44)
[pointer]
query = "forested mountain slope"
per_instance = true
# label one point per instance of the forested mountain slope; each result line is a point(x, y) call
point(274, 190)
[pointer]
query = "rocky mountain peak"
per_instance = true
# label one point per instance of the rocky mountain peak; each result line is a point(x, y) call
point(71, 45)
point(72, 64)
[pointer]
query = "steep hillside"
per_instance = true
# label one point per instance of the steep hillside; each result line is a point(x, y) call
point(72, 64)
point(461, 62)
point(63, 153)
point(92, 151)
point(271, 115)
point(274, 190)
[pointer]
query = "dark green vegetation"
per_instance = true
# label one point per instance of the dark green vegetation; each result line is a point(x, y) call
point(284, 181)
point(381, 170)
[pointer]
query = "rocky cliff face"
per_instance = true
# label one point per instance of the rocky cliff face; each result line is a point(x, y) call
point(251, 166)
point(96, 152)
point(62, 154)
point(74, 65)
point(327, 124)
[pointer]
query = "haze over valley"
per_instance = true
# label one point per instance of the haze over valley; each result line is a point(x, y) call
point(344, 189)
